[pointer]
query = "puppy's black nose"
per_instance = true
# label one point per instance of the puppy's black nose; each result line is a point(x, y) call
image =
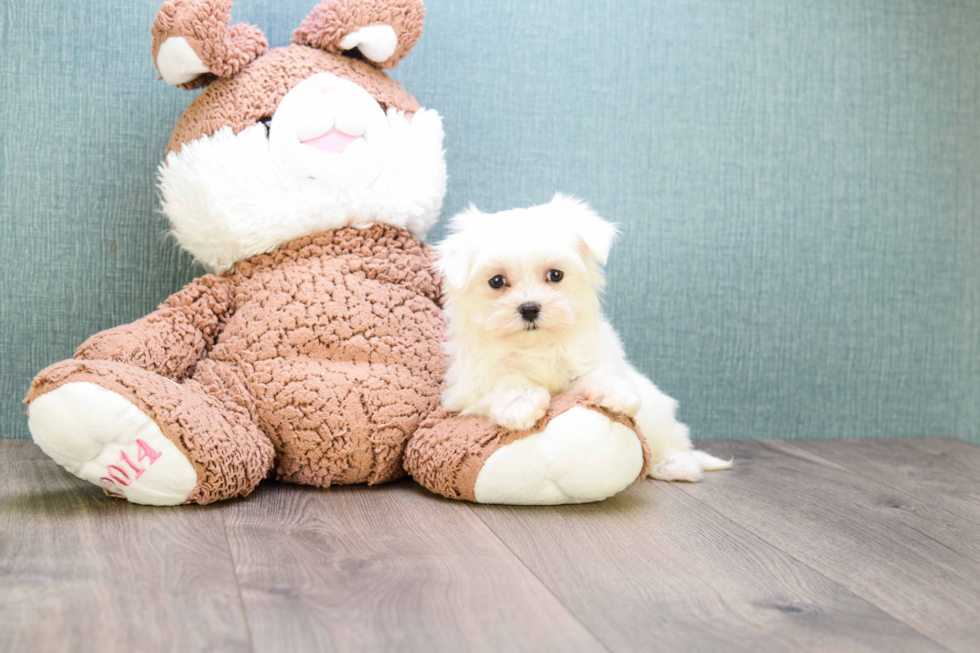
point(529, 311)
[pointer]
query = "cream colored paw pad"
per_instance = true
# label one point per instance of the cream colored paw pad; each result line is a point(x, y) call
point(100, 437)
point(580, 456)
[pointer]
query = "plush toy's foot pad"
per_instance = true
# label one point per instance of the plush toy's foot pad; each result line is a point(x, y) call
point(102, 438)
point(580, 456)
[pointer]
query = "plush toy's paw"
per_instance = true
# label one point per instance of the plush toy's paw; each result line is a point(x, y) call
point(614, 393)
point(102, 438)
point(520, 409)
point(581, 456)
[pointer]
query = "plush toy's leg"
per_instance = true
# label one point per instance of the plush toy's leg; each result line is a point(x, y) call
point(575, 454)
point(144, 437)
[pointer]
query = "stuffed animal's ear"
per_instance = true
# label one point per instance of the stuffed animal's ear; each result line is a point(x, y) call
point(193, 42)
point(382, 30)
point(457, 250)
point(595, 234)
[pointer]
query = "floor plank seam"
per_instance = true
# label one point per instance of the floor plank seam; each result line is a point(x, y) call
point(926, 500)
point(775, 546)
point(540, 581)
point(238, 582)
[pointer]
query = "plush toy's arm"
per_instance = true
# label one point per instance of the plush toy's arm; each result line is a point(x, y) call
point(171, 340)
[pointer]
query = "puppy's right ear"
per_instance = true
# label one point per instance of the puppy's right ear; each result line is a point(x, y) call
point(595, 234)
point(456, 251)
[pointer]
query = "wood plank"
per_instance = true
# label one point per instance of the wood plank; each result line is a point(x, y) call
point(949, 446)
point(81, 572)
point(942, 472)
point(919, 564)
point(22, 450)
point(653, 569)
point(386, 568)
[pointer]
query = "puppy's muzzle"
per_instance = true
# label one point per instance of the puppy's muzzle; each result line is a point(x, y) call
point(529, 311)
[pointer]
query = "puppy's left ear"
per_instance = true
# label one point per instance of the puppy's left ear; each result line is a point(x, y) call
point(454, 260)
point(596, 235)
point(456, 251)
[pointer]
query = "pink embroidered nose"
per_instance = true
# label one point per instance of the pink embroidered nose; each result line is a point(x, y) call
point(326, 83)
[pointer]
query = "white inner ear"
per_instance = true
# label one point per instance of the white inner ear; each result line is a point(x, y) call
point(377, 42)
point(178, 63)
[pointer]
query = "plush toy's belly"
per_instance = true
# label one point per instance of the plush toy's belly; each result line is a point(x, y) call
point(340, 422)
point(342, 368)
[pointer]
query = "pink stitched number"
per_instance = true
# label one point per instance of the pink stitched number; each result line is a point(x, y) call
point(118, 477)
point(137, 470)
point(110, 485)
point(147, 452)
point(119, 472)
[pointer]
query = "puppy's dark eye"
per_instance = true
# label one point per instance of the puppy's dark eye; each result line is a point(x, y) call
point(497, 281)
point(555, 275)
point(267, 123)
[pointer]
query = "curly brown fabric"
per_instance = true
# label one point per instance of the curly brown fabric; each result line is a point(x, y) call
point(171, 340)
point(332, 20)
point(204, 24)
point(339, 335)
point(449, 450)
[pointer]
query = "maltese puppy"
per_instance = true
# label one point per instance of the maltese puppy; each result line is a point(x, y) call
point(525, 323)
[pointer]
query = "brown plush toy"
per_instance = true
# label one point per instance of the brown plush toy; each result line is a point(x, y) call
point(303, 178)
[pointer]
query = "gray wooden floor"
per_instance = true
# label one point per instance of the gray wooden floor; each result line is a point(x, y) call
point(805, 546)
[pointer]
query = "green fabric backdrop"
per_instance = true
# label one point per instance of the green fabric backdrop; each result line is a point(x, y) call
point(797, 183)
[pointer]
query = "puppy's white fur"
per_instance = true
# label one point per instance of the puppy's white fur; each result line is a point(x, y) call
point(507, 368)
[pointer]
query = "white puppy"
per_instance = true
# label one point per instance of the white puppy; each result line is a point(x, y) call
point(525, 323)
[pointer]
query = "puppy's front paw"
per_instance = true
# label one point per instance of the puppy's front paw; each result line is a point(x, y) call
point(521, 409)
point(615, 394)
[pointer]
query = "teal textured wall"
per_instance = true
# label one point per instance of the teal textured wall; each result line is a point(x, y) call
point(798, 183)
